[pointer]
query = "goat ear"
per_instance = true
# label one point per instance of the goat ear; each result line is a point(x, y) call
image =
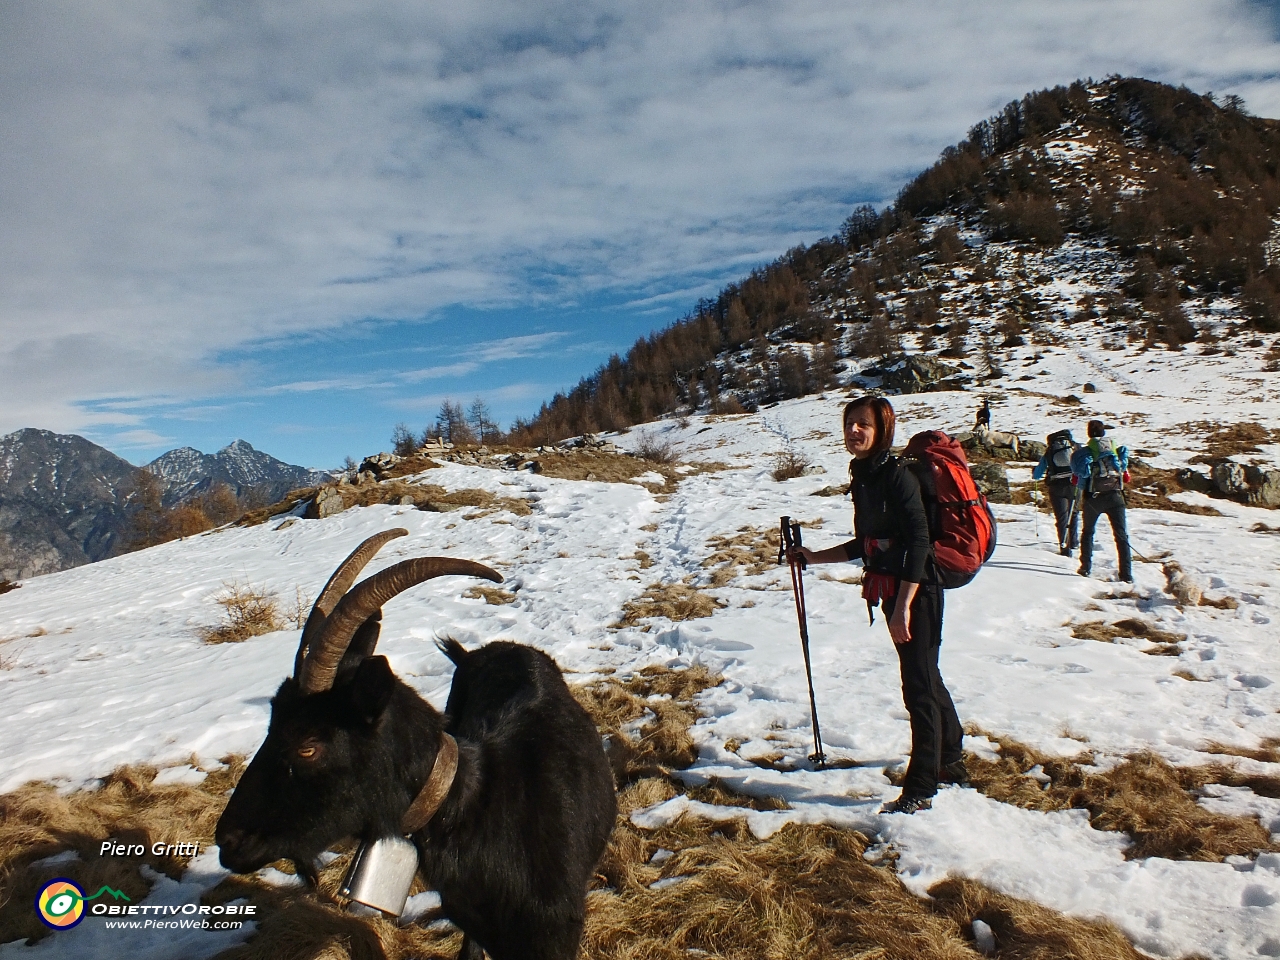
point(371, 688)
point(362, 643)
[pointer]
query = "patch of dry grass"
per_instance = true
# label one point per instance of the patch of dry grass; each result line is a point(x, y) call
point(1165, 643)
point(664, 700)
point(37, 822)
point(675, 601)
point(424, 496)
point(806, 892)
point(600, 465)
point(432, 498)
point(1151, 489)
point(493, 595)
point(1145, 797)
point(653, 448)
point(246, 612)
point(410, 466)
point(1228, 440)
point(7, 585)
point(1267, 752)
point(749, 553)
point(789, 464)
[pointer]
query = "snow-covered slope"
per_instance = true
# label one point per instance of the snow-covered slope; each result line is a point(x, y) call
point(102, 665)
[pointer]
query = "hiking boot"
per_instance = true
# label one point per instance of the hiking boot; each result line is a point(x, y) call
point(955, 773)
point(1083, 571)
point(907, 804)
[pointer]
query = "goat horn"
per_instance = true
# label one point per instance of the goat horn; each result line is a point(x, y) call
point(321, 664)
point(337, 587)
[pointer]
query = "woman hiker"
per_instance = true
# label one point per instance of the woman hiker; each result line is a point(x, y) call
point(891, 538)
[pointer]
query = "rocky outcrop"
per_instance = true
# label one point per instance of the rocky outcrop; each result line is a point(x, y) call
point(917, 373)
point(991, 478)
point(1246, 483)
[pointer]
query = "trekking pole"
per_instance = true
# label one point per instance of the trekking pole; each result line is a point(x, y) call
point(1037, 512)
point(788, 543)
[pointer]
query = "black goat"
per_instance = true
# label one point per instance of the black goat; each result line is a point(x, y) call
point(515, 840)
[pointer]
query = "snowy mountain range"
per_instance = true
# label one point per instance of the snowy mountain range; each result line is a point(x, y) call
point(187, 472)
point(63, 499)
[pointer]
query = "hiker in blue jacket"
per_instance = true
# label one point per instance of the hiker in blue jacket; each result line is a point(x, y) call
point(1054, 469)
point(1100, 469)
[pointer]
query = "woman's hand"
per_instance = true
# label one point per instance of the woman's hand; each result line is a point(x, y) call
point(900, 624)
point(829, 555)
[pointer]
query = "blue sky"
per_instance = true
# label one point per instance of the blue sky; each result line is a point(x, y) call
point(300, 224)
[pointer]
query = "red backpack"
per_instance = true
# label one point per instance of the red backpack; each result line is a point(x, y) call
point(961, 524)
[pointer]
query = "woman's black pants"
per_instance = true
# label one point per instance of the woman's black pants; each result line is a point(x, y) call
point(936, 734)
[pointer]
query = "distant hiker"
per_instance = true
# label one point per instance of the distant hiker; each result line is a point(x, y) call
point(891, 538)
point(1100, 470)
point(1054, 469)
point(983, 420)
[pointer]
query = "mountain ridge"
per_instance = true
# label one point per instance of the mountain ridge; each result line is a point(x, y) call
point(67, 501)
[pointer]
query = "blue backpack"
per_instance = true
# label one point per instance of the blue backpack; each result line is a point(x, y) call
point(1106, 472)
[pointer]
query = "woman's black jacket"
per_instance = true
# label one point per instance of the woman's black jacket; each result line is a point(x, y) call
point(887, 507)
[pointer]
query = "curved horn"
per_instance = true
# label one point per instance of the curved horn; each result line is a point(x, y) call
point(321, 664)
point(337, 587)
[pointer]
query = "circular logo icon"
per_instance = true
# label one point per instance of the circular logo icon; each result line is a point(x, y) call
point(60, 903)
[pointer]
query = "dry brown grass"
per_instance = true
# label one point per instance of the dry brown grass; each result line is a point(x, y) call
point(806, 892)
point(666, 698)
point(424, 496)
point(747, 553)
point(37, 822)
point(1164, 642)
point(1228, 440)
point(432, 498)
point(602, 466)
point(246, 612)
point(675, 601)
point(1145, 797)
point(1151, 489)
point(1267, 752)
point(493, 595)
point(7, 585)
point(789, 464)
point(409, 466)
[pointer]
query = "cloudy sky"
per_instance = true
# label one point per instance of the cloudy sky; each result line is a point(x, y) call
point(300, 224)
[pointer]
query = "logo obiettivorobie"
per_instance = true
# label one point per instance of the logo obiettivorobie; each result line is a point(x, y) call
point(60, 902)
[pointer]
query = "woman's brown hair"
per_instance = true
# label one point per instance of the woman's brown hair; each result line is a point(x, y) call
point(881, 413)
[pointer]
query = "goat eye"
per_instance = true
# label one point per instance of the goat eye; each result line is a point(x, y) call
point(308, 751)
